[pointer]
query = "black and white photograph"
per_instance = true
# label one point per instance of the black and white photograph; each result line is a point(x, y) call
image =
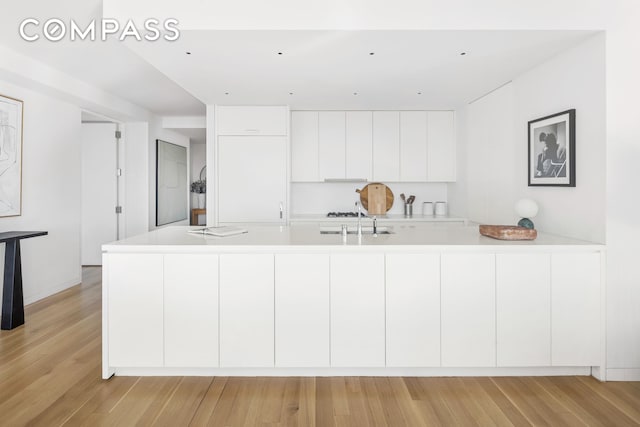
point(552, 150)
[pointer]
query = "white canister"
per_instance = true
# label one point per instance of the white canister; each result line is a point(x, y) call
point(441, 208)
point(427, 208)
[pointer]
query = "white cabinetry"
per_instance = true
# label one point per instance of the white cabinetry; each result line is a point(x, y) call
point(304, 150)
point(468, 310)
point(359, 145)
point(302, 310)
point(246, 310)
point(413, 146)
point(357, 310)
point(413, 310)
point(575, 313)
point(134, 301)
point(441, 153)
point(252, 179)
point(523, 295)
point(331, 136)
point(191, 310)
point(386, 146)
point(251, 120)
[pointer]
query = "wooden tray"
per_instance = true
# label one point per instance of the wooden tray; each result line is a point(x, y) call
point(508, 232)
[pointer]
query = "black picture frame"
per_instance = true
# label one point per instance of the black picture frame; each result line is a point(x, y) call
point(552, 150)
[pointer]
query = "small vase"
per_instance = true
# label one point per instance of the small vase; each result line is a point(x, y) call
point(201, 201)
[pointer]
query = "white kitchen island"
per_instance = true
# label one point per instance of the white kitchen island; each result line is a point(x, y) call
point(286, 300)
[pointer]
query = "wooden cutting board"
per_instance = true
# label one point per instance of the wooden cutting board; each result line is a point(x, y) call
point(376, 198)
point(508, 232)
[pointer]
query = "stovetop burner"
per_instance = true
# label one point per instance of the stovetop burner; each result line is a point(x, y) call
point(344, 214)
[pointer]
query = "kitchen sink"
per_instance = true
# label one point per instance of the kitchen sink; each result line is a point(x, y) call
point(366, 230)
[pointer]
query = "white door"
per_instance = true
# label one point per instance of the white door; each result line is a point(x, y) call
point(413, 310)
point(191, 310)
point(302, 310)
point(99, 190)
point(331, 136)
point(357, 310)
point(135, 297)
point(575, 309)
point(413, 146)
point(253, 179)
point(386, 146)
point(523, 312)
point(468, 310)
point(246, 311)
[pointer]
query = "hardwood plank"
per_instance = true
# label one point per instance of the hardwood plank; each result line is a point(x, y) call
point(184, 402)
point(624, 396)
point(209, 402)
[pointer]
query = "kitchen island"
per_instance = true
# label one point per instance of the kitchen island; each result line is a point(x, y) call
point(287, 300)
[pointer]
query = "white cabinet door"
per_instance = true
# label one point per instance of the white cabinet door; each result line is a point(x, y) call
point(331, 131)
point(251, 120)
point(359, 144)
point(468, 310)
point(191, 310)
point(252, 178)
point(304, 146)
point(246, 310)
point(135, 296)
point(523, 295)
point(575, 312)
point(357, 310)
point(413, 310)
point(386, 146)
point(441, 153)
point(413, 146)
point(302, 310)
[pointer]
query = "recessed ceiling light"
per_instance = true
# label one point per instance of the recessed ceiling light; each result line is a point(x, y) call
point(355, 93)
point(226, 93)
point(419, 93)
point(372, 53)
point(463, 53)
point(290, 93)
point(279, 53)
point(188, 53)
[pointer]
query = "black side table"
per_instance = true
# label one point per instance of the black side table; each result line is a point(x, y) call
point(12, 300)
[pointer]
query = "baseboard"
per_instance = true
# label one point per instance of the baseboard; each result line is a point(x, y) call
point(623, 374)
point(30, 299)
point(340, 372)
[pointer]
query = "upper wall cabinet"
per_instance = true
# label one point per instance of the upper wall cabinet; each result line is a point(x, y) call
point(252, 120)
point(441, 146)
point(331, 137)
point(304, 152)
point(388, 146)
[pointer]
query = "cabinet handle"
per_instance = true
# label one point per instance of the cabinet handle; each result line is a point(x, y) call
point(252, 130)
point(281, 210)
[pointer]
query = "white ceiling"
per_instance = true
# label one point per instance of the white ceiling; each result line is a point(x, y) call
point(323, 69)
point(106, 65)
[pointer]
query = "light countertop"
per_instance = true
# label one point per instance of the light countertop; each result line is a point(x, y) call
point(306, 237)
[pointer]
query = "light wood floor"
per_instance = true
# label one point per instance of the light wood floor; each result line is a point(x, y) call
point(50, 376)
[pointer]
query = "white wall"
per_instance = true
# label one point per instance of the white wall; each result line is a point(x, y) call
point(323, 197)
point(136, 177)
point(495, 158)
point(156, 131)
point(50, 193)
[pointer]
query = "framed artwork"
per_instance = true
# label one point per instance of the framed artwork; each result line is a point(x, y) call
point(10, 156)
point(552, 150)
point(172, 185)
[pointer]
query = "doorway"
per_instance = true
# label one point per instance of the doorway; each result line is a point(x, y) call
point(101, 187)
